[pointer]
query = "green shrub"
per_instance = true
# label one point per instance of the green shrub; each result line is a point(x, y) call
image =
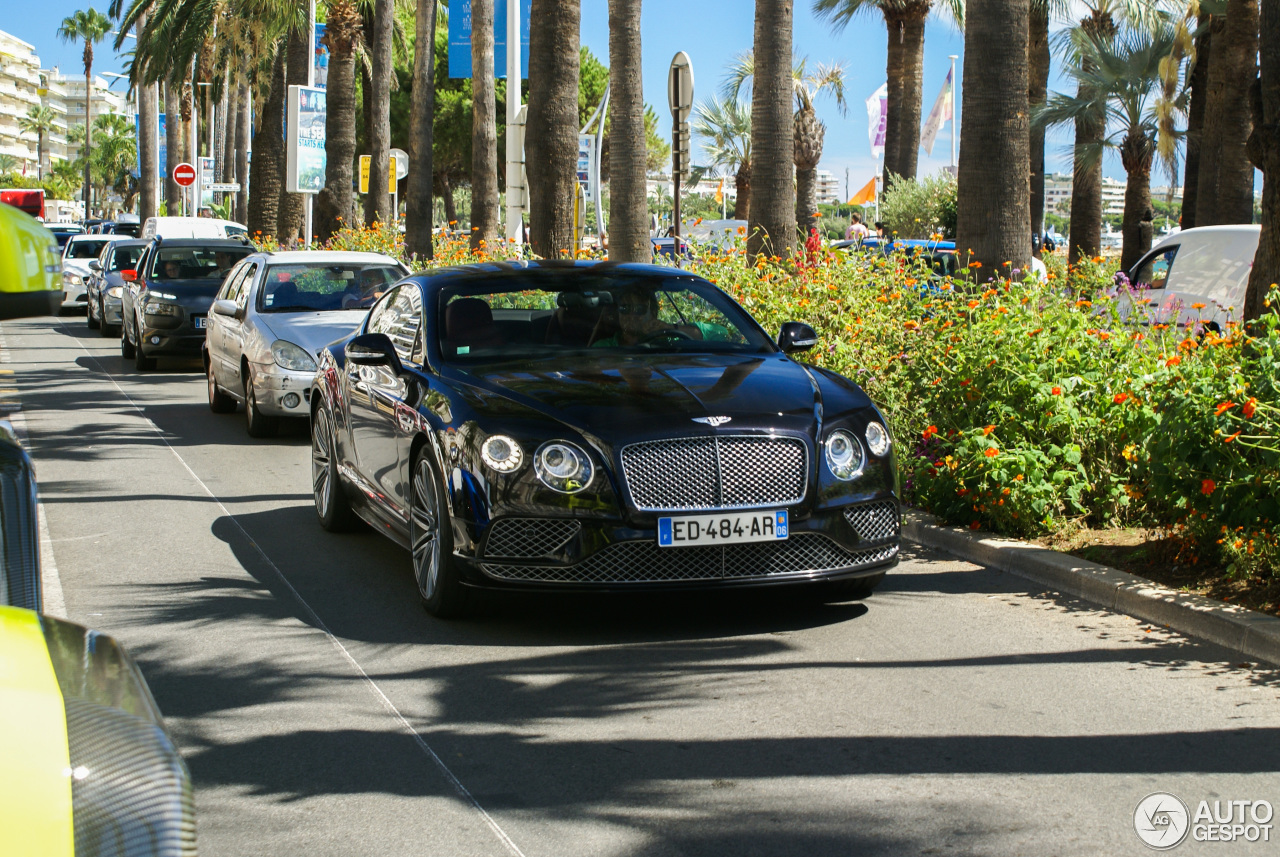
point(919, 208)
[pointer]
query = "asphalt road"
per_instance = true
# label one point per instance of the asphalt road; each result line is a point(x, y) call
point(322, 712)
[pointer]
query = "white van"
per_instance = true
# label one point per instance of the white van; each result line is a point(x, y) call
point(192, 227)
point(1208, 265)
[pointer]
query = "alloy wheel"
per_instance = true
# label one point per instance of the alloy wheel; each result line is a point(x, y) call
point(425, 522)
point(321, 461)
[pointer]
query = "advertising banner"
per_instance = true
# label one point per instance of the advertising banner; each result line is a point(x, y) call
point(321, 60)
point(878, 118)
point(137, 157)
point(460, 39)
point(205, 172)
point(304, 149)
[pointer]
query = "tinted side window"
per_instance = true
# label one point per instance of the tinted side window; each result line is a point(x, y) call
point(241, 293)
point(232, 283)
point(1154, 272)
point(399, 316)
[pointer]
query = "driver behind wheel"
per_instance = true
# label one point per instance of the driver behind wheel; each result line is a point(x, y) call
point(638, 322)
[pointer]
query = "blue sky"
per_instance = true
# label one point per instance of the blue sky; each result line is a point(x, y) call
point(712, 32)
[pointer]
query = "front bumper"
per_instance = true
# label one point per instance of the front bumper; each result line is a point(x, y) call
point(112, 311)
point(282, 392)
point(74, 294)
point(846, 542)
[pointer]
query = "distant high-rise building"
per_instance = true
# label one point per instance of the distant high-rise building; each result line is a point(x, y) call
point(19, 82)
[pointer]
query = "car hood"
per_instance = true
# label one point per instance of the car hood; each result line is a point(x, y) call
point(79, 267)
point(310, 330)
point(612, 396)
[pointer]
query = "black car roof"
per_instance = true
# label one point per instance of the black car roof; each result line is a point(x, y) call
point(442, 276)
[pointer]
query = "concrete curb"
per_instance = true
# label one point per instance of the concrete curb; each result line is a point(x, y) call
point(1252, 634)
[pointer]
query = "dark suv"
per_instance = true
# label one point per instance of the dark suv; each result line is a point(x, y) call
point(167, 298)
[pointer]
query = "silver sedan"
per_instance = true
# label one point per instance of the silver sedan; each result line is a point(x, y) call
point(273, 314)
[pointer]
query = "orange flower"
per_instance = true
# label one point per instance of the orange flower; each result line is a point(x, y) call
point(930, 432)
point(742, 230)
point(1197, 306)
point(1056, 391)
point(1223, 407)
point(1034, 332)
point(975, 526)
point(1207, 487)
point(1084, 303)
point(973, 304)
point(1173, 361)
point(992, 452)
point(1120, 398)
point(1231, 437)
point(911, 325)
point(1249, 408)
point(966, 382)
point(975, 264)
point(988, 430)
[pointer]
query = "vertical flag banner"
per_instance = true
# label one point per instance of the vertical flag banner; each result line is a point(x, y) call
point(941, 112)
point(161, 152)
point(460, 38)
point(877, 118)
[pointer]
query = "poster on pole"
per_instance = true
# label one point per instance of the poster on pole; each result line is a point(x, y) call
point(460, 39)
point(161, 153)
point(586, 156)
point(321, 60)
point(304, 149)
point(205, 170)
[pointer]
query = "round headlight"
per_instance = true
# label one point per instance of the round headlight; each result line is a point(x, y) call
point(563, 467)
point(844, 455)
point(502, 453)
point(877, 439)
point(288, 356)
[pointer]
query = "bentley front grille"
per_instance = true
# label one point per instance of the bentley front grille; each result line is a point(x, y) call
point(529, 538)
point(876, 521)
point(721, 472)
point(645, 562)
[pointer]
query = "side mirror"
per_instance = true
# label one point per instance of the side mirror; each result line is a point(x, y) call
point(95, 265)
point(373, 349)
point(796, 336)
point(225, 307)
point(129, 275)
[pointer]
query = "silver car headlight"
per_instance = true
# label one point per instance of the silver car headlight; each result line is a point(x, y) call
point(878, 439)
point(72, 279)
point(844, 455)
point(155, 307)
point(290, 356)
point(502, 453)
point(115, 292)
point(563, 467)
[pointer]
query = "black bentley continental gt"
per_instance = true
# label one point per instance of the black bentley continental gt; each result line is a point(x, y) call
point(562, 426)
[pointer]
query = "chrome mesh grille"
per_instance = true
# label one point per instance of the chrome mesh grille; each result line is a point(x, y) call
point(875, 522)
point(722, 472)
point(645, 562)
point(527, 538)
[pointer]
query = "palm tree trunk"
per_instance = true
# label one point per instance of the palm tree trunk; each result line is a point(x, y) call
point(742, 184)
point(1136, 153)
point(806, 199)
point(912, 89)
point(268, 156)
point(333, 203)
point(894, 73)
point(88, 129)
point(1264, 149)
point(419, 205)
point(1198, 83)
point(1225, 184)
point(1086, 179)
point(484, 128)
point(994, 211)
point(230, 121)
point(628, 205)
point(172, 152)
point(244, 119)
point(445, 184)
point(377, 205)
point(291, 213)
point(551, 133)
point(771, 229)
point(1038, 71)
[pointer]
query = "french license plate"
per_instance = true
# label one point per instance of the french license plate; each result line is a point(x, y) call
point(199, 321)
point(723, 529)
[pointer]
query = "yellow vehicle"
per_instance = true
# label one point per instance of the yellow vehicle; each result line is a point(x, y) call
point(30, 266)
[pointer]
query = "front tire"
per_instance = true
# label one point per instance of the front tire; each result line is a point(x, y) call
point(219, 402)
point(256, 423)
point(332, 507)
point(141, 361)
point(431, 543)
point(90, 321)
point(107, 330)
point(126, 344)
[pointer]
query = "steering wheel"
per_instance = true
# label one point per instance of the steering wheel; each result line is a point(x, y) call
point(670, 332)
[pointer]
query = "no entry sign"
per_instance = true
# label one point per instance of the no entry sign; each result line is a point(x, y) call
point(184, 175)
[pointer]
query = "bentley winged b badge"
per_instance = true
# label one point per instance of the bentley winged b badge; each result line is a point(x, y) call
point(712, 421)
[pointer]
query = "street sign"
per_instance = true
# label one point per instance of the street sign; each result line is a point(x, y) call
point(184, 175)
point(680, 85)
point(225, 187)
point(401, 159)
point(366, 164)
point(680, 158)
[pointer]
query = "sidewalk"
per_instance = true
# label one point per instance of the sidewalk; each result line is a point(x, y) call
point(1252, 634)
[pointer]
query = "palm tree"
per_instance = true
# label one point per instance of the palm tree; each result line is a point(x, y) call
point(377, 98)
point(484, 128)
point(268, 153)
point(92, 27)
point(1224, 192)
point(39, 121)
point(628, 208)
point(8, 163)
point(904, 71)
point(724, 125)
point(418, 200)
point(993, 194)
point(1264, 149)
point(809, 131)
point(551, 133)
point(1122, 78)
point(289, 220)
point(343, 32)
point(771, 225)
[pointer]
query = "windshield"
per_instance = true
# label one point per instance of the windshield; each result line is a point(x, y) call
point(195, 263)
point(84, 249)
point(319, 288)
point(540, 314)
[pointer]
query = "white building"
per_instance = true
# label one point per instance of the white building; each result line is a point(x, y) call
point(66, 97)
point(1057, 193)
point(828, 188)
point(19, 80)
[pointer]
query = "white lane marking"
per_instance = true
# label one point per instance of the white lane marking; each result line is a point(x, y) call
point(51, 600)
point(319, 623)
